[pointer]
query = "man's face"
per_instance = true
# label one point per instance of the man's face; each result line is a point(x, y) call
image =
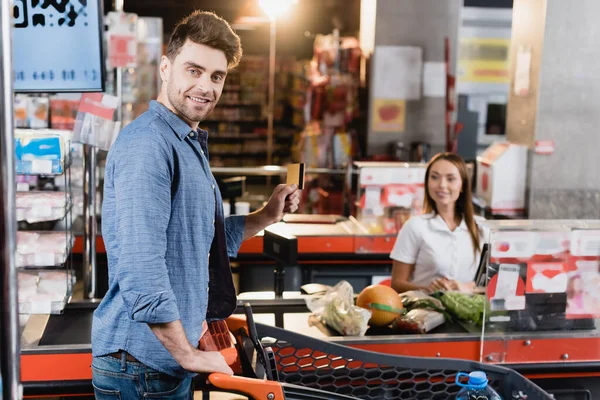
point(194, 80)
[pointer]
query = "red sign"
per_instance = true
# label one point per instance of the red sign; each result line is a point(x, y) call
point(544, 147)
point(546, 277)
point(121, 50)
point(95, 104)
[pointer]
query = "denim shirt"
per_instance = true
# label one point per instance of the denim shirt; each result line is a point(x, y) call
point(167, 242)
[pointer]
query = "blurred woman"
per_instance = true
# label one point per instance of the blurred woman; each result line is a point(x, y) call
point(440, 249)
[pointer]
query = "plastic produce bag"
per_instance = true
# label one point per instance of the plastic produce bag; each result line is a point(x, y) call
point(337, 310)
point(419, 299)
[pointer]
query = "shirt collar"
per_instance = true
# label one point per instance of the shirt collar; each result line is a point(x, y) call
point(438, 223)
point(179, 126)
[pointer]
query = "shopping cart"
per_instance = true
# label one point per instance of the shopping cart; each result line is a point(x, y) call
point(275, 364)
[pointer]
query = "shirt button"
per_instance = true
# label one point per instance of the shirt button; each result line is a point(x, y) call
point(202, 151)
point(213, 186)
point(213, 221)
point(208, 255)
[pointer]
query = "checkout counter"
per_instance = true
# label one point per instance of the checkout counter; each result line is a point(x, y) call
point(563, 358)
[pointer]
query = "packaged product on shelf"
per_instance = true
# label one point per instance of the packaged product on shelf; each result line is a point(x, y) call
point(39, 152)
point(41, 206)
point(42, 292)
point(63, 111)
point(42, 249)
point(53, 282)
point(38, 108)
point(25, 182)
point(28, 292)
point(94, 124)
point(27, 285)
point(20, 104)
point(42, 303)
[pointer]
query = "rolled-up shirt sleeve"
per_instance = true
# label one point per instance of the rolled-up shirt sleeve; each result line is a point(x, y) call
point(142, 186)
point(234, 233)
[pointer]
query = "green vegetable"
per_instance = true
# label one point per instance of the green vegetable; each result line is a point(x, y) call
point(465, 307)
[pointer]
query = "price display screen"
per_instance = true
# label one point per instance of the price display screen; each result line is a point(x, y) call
point(57, 46)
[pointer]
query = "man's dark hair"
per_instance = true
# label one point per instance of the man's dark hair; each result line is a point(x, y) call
point(206, 28)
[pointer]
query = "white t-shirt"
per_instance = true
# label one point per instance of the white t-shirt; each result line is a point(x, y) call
point(436, 251)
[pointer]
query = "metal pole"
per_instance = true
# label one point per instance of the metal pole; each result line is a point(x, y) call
point(119, 4)
point(89, 218)
point(119, 92)
point(271, 105)
point(9, 342)
point(90, 166)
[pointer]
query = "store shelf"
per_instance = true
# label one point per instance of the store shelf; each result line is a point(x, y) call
point(42, 255)
point(42, 209)
point(44, 307)
point(44, 291)
point(39, 167)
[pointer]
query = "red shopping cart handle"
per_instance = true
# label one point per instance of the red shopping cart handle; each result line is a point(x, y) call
point(254, 388)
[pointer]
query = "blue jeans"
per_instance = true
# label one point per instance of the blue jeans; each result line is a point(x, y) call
point(122, 379)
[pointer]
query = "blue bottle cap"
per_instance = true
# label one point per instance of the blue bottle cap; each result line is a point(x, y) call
point(478, 378)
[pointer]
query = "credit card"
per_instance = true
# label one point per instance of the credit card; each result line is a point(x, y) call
point(295, 175)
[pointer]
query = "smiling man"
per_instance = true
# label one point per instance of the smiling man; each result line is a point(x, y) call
point(167, 241)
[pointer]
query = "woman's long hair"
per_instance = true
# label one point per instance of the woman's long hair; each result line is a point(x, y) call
point(464, 203)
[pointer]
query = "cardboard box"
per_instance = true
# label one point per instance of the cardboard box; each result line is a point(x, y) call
point(502, 178)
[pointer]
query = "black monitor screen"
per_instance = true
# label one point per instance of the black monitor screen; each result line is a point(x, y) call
point(496, 119)
point(57, 46)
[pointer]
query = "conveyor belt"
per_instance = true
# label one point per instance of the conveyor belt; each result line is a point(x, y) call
point(71, 328)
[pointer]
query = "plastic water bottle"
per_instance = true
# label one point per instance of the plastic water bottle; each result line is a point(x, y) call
point(476, 388)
